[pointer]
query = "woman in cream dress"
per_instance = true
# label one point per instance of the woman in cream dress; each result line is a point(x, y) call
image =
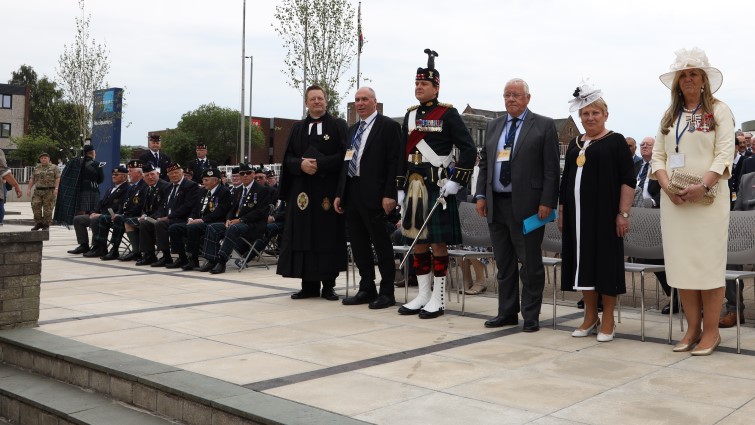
point(696, 136)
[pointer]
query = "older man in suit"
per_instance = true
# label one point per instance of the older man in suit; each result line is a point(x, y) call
point(156, 157)
point(367, 191)
point(175, 208)
point(519, 173)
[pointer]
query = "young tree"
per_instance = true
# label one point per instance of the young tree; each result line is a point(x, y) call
point(50, 117)
point(321, 34)
point(216, 126)
point(83, 67)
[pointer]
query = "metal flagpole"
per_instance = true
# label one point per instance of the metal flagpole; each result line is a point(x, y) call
point(243, 74)
point(359, 42)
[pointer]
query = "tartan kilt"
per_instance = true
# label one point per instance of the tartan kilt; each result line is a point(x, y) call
point(88, 201)
point(132, 221)
point(444, 225)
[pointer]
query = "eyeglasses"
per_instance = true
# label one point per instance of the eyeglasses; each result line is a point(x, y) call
point(245, 173)
point(512, 95)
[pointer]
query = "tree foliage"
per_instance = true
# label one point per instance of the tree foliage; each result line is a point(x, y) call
point(50, 117)
point(82, 69)
point(30, 146)
point(217, 127)
point(322, 34)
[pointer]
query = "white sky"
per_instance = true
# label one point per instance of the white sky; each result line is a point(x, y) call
point(172, 56)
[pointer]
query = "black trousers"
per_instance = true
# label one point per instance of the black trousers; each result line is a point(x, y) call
point(366, 228)
point(152, 234)
point(510, 244)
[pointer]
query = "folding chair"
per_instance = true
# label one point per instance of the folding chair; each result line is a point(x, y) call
point(552, 243)
point(644, 241)
point(474, 232)
point(741, 251)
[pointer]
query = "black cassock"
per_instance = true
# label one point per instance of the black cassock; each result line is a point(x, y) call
point(314, 237)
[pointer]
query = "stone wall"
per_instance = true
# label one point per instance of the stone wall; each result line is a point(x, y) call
point(20, 276)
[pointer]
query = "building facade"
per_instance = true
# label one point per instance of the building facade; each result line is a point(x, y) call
point(14, 113)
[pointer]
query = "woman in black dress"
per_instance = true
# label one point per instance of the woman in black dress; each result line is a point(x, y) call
point(596, 195)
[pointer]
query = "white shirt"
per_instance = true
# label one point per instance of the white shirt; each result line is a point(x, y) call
point(370, 121)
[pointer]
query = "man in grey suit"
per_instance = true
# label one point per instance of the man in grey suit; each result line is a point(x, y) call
point(519, 174)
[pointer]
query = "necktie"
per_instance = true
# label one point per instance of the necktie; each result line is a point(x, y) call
point(505, 178)
point(157, 158)
point(313, 129)
point(241, 200)
point(172, 197)
point(643, 176)
point(357, 142)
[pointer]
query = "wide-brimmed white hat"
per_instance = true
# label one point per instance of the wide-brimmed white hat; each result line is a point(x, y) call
point(584, 95)
point(689, 59)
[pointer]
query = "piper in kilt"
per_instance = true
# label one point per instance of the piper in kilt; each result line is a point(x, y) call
point(431, 132)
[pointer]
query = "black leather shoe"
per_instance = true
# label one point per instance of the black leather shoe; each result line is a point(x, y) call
point(131, 256)
point(162, 262)
point(382, 301)
point(424, 314)
point(207, 266)
point(81, 249)
point(38, 226)
point(147, 260)
point(407, 311)
point(191, 264)
point(329, 294)
point(304, 294)
point(177, 264)
point(499, 321)
point(97, 251)
point(362, 297)
point(531, 327)
point(110, 256)
point(219, 268)
point(581, 304)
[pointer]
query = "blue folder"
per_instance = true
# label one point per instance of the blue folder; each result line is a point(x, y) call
point(531, 223)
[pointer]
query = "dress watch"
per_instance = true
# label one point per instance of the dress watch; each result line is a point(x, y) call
point(624, 214)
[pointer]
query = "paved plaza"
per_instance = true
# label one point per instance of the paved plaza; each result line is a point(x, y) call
point(383, 368)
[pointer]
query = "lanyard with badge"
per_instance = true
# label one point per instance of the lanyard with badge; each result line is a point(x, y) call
point(676, 160)
point(357, 140)
point(504, 154)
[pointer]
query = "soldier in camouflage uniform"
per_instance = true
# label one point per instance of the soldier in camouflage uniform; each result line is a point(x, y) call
point(46, 177)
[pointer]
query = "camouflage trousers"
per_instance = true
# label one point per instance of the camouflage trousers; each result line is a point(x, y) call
point(42, 204)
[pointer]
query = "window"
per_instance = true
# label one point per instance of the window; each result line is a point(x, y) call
point(4, 130)
point(6, 101)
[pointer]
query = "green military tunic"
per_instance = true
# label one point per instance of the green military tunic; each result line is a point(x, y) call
point(43, 200)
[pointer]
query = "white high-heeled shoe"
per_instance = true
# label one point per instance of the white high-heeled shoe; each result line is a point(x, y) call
point(581, 333)
point(607, 337)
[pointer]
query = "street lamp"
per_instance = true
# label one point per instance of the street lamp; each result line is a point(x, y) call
point(243, 74)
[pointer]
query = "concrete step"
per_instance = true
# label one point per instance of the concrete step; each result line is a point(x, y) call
point(28, 398)
point(170, 392)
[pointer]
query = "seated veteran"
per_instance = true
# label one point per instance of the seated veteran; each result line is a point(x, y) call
point(248, 219)
point(130, 210)
point(213, 205)
point(112, 200)
point(176, 208)
point(157, 189)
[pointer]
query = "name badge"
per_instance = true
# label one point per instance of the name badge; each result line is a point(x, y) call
point(503, 155)
point(349, 155)
point(676, 160)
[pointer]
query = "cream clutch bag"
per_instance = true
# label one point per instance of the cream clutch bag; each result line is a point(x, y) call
point(680, 180)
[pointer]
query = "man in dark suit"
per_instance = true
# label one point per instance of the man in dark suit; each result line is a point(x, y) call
point(157, 189)
point(112, 200)
point(131, 209)
point(213, 205)
point(367, 192)
point(519, 173)
point(156, 157)
point(200, 164)
point(248, 219)
point(176, 207)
